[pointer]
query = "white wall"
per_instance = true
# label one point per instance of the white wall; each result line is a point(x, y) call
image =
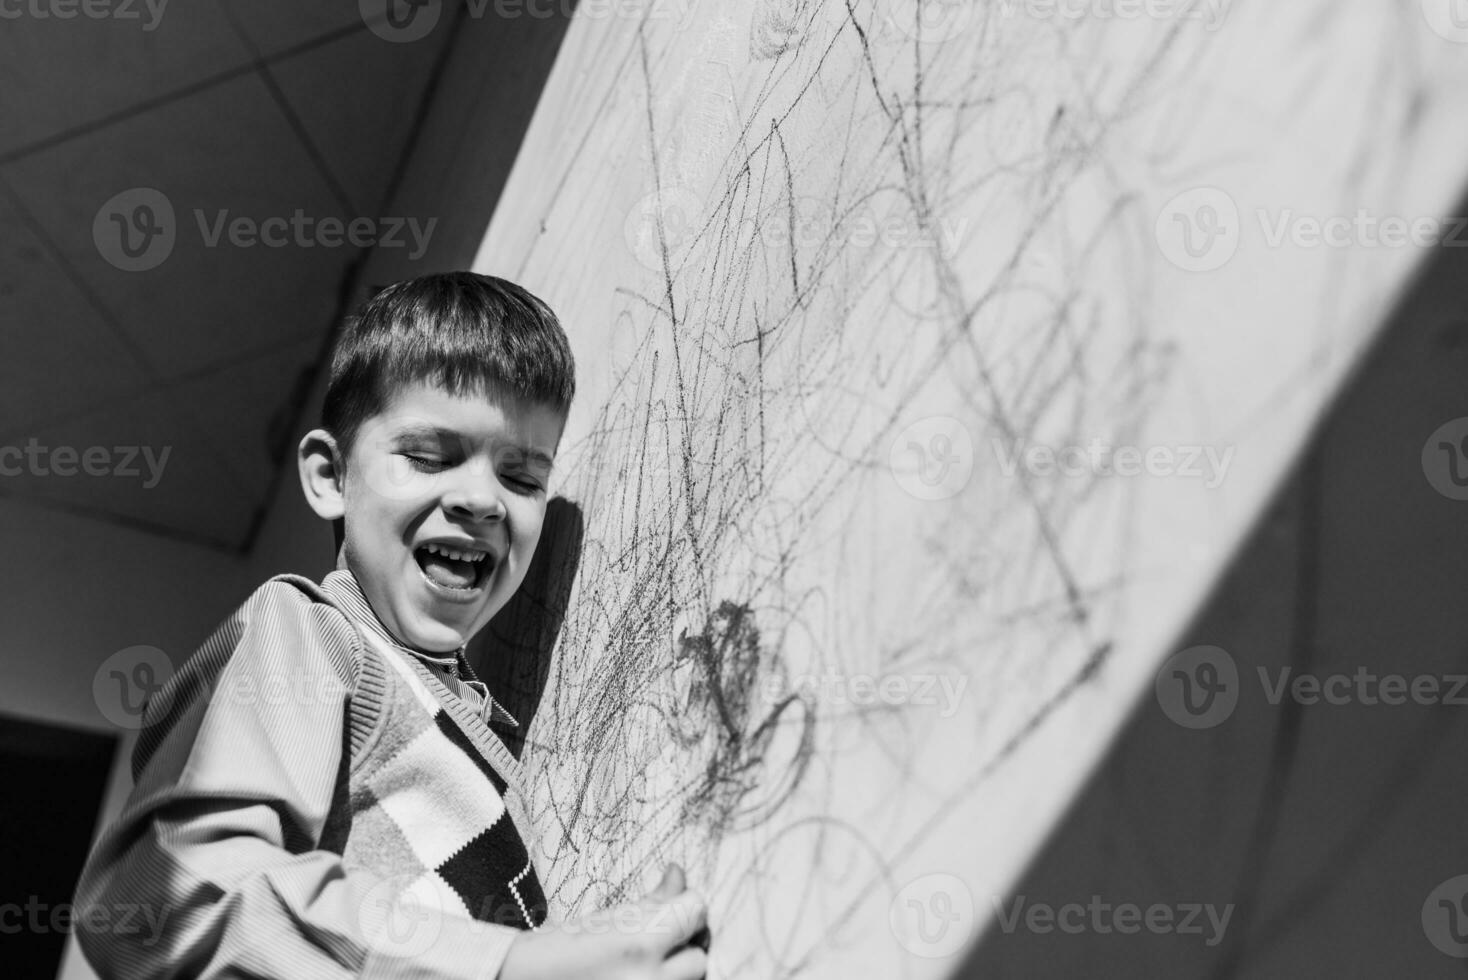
point(809, 247)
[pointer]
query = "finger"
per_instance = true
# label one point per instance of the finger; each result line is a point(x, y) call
point(689, 963)
point(686, 915)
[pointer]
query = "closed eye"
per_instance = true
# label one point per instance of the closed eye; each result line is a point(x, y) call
point(530, 486)
point(425, 464)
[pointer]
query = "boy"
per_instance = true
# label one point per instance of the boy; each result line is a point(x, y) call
point(317, 791)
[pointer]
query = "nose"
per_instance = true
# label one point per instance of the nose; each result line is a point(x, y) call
point(476, 497)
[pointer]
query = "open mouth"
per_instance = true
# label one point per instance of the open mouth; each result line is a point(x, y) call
point(457, 569)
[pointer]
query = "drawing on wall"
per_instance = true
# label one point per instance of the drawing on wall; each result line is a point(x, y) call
point(934, 357)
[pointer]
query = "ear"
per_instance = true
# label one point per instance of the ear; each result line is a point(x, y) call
point(322, 474)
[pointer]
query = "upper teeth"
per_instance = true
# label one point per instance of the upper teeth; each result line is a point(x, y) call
point(457, 555)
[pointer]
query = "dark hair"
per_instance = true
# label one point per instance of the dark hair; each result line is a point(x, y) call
point(462, 331)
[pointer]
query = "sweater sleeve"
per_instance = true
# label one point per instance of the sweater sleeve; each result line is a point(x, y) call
point(214, 868)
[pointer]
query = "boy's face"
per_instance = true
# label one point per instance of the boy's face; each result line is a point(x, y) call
point(444, 498)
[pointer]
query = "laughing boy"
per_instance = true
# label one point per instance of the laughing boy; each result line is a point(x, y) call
point(318, 791)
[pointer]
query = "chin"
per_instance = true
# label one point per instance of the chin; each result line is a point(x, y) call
point(436, 638)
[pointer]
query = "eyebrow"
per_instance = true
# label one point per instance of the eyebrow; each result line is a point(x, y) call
point(538, 456)
point(449, 435)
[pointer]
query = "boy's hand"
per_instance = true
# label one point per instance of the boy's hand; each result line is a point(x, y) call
point(644, 940)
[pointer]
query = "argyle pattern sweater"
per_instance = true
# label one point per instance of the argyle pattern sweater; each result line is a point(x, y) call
point(423, 801)
point(313, 800)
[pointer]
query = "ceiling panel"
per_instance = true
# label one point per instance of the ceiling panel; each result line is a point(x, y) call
point(152, 463)
point(72, 359)
point(275, 26)
point(210, 440)
point(223, 155)
point(360, 119)
point(57, 75)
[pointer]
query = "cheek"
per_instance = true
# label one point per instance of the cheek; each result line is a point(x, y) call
point(527, 527)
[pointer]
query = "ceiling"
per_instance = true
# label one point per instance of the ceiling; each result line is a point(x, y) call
point(200, 347)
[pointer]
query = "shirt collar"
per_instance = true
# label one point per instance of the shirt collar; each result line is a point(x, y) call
point(343, 587)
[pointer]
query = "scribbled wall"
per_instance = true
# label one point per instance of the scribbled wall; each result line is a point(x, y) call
point(933, 360)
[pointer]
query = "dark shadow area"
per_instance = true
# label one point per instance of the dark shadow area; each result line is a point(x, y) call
point(54, 780)
point(512, 654)
point(1320, 817)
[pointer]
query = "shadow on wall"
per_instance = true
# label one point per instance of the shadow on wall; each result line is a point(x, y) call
point(1288, 800)
point(512, 655)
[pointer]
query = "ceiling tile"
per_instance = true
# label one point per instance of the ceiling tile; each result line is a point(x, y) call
point(196, 299)
point(56, 75)
point(360, 119)
point(150, 463)
point(59, 354)
point(202, 460)
point(277, 25)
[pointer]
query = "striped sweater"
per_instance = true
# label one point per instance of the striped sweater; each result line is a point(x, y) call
point(313, 800)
